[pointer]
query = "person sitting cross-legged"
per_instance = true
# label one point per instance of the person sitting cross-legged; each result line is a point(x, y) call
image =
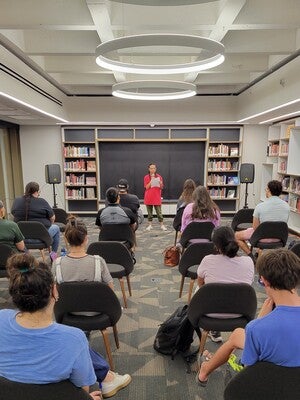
point(274, 335)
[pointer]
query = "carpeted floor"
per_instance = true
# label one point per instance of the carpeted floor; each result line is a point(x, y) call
point(154, 298)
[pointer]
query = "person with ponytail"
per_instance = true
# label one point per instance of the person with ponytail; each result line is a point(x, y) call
point(31, 207)
point(226, 266)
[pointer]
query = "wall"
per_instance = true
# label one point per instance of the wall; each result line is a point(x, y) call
point(41, 145)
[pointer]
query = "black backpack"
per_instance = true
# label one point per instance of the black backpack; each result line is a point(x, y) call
point(175, 334)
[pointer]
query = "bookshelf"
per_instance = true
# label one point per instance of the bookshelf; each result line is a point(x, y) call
point(283, 164)
point(223, 164)
point(80, 170)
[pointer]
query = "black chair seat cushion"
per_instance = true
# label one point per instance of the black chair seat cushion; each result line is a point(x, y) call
point(35, 244)
point(269, 245)
point(116, 270)
point(192, 272)
point(86, 323)
point(243, 226)
point(222, 324)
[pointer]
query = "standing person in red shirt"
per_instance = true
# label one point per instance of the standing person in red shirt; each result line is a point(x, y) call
point(153, 184)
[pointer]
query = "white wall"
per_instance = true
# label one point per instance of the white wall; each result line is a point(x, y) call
point(254, 151)
point(41, 145)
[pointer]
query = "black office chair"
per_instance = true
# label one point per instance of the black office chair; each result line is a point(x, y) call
point(266, 381)
point(5, 253)
point(118, 260)
point(296, 249)
point(89, 297)
point(177, 222)
point(60, 218)
point(118, 233)
point(270, 230)
point(190, 261)
point(36, 236)
point(242, 220)
point(196, 230)
point(64, 390)
point(220, 298)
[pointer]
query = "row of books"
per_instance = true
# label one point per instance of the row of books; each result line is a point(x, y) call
point(294, 203)
point(223, 150)
point(273, 149)
point(284, 149)
point(73, 179)
point(222, 193)
point(222, 165)
point(80, 165)
point(80, 194)
point(215, 179)
point(291, 184)
point(79, 151)
point(282, 167)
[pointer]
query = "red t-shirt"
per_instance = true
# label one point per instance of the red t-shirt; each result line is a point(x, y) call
point(153, 194)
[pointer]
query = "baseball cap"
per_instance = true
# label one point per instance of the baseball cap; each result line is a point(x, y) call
point(122, 185)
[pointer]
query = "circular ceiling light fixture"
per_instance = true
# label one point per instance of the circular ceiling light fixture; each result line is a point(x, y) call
point(154, 90)
point(214, 50)
point(163, 2)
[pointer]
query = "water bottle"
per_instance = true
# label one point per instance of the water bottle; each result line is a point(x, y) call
point(63, 252)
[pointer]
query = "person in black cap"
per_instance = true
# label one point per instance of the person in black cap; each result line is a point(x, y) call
point(129, 200)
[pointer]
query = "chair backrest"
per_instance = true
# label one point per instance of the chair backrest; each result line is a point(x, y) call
point(177, 219)
point(35, 230)
point(296, 249)
point(266, 381)
point(271, 229)
point(193, 255)
point(231, 298)
point(196, 230)
point(52, 391)
point(5, 253)
point(87, 296)
point(113, 253)
point(60, 215)
point(243, 216)
point(117, 232)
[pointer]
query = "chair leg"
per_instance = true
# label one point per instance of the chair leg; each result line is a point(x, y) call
point(123, 291)
point(107, 348)
point(192, 281)
point(203, 341)
point(129, 285)
point(115, 330)
point(181, 286)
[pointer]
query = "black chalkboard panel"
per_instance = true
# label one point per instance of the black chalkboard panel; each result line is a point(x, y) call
point(175, 162)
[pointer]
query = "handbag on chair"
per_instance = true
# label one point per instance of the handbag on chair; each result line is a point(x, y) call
point(171, 256)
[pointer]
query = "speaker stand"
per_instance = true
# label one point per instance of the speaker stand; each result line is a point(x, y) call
point(246, 196)
point(54, 197)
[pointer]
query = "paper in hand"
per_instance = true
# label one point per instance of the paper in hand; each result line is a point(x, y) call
point(155, 182)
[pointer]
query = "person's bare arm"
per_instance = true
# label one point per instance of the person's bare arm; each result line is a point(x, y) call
point(200, 281)
point(94, 395)
point(266, 308)
point(52, 219)
point(20, 245)
point(255, 223)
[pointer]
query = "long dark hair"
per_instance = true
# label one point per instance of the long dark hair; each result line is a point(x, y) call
point(187, 193)
point(30, 188)
point(152, 163)
point(203, 207)
point(30, 282)
point(224, 240)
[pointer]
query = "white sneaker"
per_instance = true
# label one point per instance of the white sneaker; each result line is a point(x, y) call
point(149, 227)
point(109, 389)
point(163, 228)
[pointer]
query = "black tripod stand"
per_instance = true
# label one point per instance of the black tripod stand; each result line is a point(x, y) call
point(54, 197)
point(246, 196)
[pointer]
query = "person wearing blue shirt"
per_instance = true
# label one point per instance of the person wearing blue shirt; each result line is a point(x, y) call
point(274, 336)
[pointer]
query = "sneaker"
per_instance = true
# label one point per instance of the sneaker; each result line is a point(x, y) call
point(109, 389)
point(149, 227)
point(163, 228)
point(53, 256)
point(215, 336)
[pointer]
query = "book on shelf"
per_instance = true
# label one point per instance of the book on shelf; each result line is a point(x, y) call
point(230, 194)
point(273, 149)
point(215, 179)
point(234, 151)
point(90, 180)
point(91, 165)
point(222, 165)
point(219, 150)
point(232, 180)
point(92, 152)
point(288, 130)
point(78, 165)
point(285, 183)
point(218, 193)
point(295, 185)
point(284, 149)
point(90, 193)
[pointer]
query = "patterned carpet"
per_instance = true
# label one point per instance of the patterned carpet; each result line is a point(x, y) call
point(155, 296)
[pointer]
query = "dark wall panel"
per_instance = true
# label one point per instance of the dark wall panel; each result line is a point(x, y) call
point(175, 162)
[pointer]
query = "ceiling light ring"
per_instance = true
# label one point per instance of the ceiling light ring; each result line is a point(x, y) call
point(130, 90)
point(215, 49)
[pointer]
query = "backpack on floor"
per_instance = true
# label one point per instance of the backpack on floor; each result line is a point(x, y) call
point(175, 334)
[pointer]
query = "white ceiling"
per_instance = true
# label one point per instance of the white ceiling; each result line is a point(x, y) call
point(59, 37)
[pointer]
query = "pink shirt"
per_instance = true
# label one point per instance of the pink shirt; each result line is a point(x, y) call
point(187, 217)
point(153, 194)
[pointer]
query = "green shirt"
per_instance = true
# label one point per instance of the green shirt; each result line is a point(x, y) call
point(10, 233)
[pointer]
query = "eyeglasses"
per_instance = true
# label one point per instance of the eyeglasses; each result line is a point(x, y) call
point(260, 281)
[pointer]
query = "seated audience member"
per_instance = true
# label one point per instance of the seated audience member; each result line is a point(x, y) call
point(186, 196)
point(203, 209)
point(129, 200)
point(34, 293)
point(274, 336)
point(31, 207)
point(77, 265)
point(10, 233)
point(273, 209)
point(225, 267)
point(113, 213)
